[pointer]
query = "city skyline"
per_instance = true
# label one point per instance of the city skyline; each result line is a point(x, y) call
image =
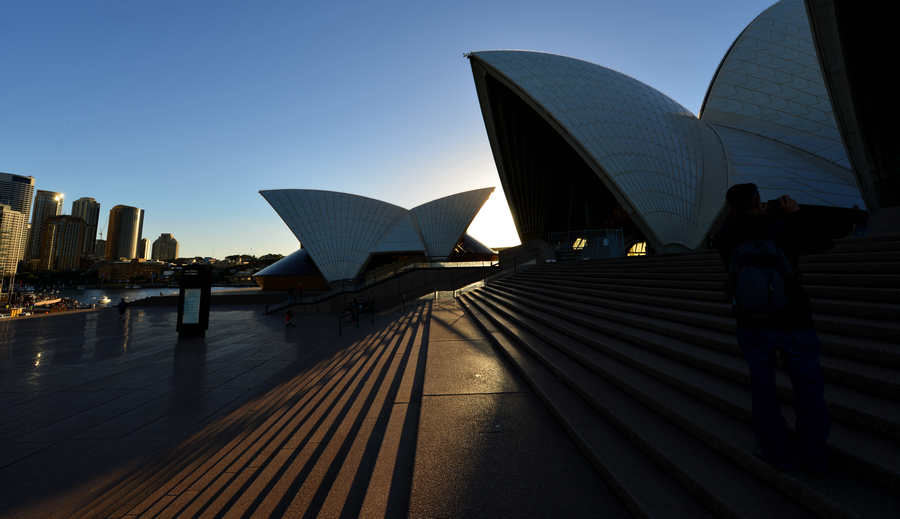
point(189, 110)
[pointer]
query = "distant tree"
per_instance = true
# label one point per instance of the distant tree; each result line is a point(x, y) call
point(267, 259)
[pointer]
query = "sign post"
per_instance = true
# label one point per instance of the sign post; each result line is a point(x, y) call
point(193, 300)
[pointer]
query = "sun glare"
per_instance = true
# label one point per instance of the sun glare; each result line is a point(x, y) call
point(493, 225)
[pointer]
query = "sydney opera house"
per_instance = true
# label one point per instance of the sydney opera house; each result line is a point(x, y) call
point(344, 236)
point(580, 146)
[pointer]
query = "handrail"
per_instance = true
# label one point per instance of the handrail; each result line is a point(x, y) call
point(345, 287)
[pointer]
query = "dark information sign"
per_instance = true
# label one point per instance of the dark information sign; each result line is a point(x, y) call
point(193, 300)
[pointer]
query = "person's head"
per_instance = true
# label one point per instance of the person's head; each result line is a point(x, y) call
point(743, 198)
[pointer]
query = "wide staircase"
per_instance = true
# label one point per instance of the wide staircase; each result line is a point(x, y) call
point(637, 358)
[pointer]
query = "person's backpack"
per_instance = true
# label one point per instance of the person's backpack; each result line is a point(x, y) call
point(759, 279)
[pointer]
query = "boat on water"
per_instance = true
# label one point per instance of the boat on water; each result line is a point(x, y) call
point(105, 300)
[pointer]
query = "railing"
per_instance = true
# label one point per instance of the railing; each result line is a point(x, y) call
point(380, 275)
point(343, 287)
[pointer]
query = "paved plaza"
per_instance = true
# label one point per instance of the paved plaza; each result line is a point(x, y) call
point(412, 414)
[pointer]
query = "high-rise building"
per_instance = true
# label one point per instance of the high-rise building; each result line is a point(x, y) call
point(62, 243)
point(88, 210)
point(12, 223)
point(46, 204)
point(165, 248)
point(144, 249)
point(17, 191)
point(100, 248)
point(124, 232)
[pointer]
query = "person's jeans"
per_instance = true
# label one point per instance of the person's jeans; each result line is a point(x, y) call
point(800, 352)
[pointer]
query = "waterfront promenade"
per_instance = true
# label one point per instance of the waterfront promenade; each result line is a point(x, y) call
point(413, 414)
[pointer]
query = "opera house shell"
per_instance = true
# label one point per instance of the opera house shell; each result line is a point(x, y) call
point(580, 146)
point(341, 233)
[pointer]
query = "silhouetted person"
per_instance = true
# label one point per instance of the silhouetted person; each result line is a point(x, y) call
point(759, 244)
point(122, 306)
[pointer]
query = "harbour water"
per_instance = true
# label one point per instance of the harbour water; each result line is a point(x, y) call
point(94, 295)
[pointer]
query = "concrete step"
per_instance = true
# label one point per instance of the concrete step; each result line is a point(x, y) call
point(651, 384)
point(876, 294)
point(676, 297)
point(725, 489)
point(865, 367)
point(605, 266)
point(870, 294)
point(645, 489)
point(855, 267)
point(853, 256)
point(871, 456)
point(868, 244)
point(713, 280)
point(615, 280)
point(868, 351)
point(716, 353)
point(881, 330)
point(825, 264)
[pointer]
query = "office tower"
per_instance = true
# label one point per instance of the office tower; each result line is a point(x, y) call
point(46, 204)
point(123, 232)
point(62, 243)
point(100, 248)
point(165, 248)
point(144, 249)
point(88, 210)
point(17, 192)
point(12, 223)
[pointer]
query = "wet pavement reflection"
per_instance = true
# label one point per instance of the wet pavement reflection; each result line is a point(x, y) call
point(84, 394)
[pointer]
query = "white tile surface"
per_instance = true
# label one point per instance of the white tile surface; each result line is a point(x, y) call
point(443, 221)
point(650, 147)
point(770, 83)
point(340, 230)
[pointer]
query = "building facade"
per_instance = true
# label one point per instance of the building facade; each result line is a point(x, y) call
point(62, 243)
point(12, 224)
point(124, 232)
point(100, 248)
point(144, 249)
point(88, 210)
point(17, 191)
point(165, 248)
point(46, 204)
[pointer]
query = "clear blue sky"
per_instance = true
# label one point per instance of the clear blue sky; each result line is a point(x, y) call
point(188, 109)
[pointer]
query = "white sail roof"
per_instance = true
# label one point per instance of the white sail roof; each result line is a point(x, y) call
point(770, 83)
point(402, 236)
point(340, 231)
point(445, 220)
point(648, 149)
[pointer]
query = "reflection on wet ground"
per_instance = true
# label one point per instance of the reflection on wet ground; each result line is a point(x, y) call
point(409, 414)
point(84, 396)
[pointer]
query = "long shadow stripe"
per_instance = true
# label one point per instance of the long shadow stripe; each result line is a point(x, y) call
point(139, 477)
point(401, 483)
point(314, 457)
point(228, 474)
point(354, 502)
point(340, 457)
point(356, 374)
